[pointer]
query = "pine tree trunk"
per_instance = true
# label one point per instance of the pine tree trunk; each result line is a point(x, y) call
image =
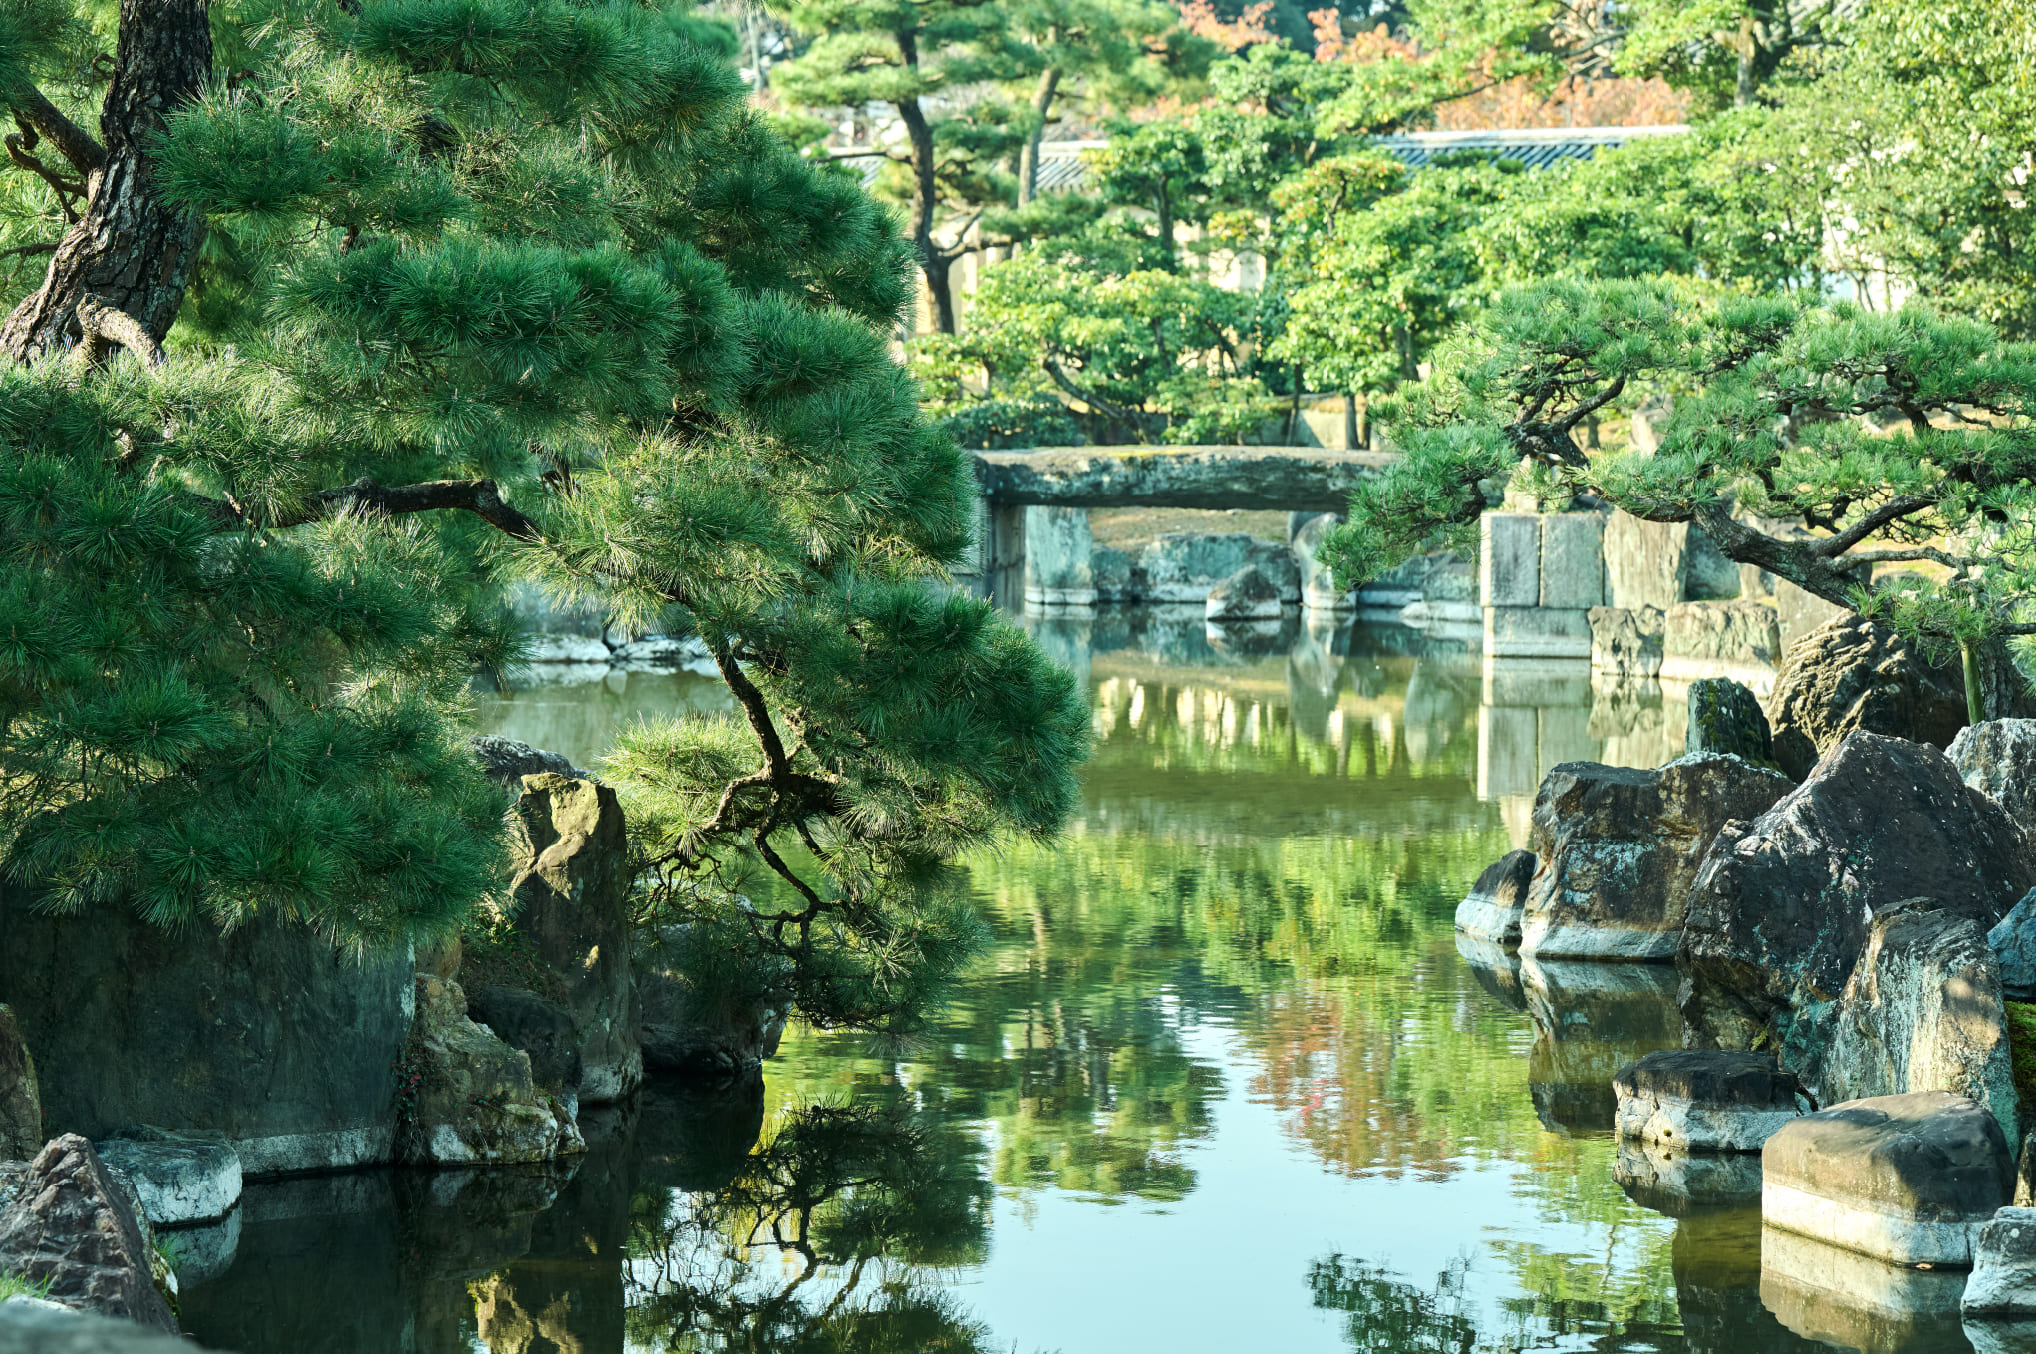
point(1028, 158)
point(131, 251)
point(925, 201)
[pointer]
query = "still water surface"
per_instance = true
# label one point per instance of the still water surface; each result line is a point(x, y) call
point(1225, 1083)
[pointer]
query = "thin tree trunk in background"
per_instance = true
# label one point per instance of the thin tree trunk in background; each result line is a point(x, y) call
point(925, 200)
point(1028, 158)
point(131, 251)
point(1353, 436)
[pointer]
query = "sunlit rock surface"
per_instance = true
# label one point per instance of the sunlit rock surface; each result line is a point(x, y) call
point(73, 1229)
point(1619, 848)
point(178, 1178)
point(1704, 1100)
point(1902, 1178)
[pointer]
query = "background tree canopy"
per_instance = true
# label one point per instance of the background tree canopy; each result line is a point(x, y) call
point(487, 291)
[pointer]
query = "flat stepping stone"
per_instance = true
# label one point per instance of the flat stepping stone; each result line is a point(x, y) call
point(1705, 1100)
point(1904, 1178)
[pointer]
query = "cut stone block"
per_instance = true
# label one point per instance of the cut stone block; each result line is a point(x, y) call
point(1491, 910)
point(178, 1178)
point(1537, 632)
point(1509, 559)
point(1247, 595)
point(1572, 560)
point(1058, 549)
point(1903, 1178)
point(1705, 1100)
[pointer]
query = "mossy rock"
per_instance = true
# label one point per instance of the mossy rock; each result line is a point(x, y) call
point(1726, 717)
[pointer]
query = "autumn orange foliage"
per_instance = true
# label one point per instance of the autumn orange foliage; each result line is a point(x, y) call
point(1200, 18)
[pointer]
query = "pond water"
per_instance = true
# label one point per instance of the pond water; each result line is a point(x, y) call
point(1225, 1082)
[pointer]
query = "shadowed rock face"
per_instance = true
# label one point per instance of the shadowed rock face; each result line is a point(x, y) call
point(268, 1035)
point(1899, 1177)
point(1620, 847)
point(1726, 717)
point(1781, 908)
point(20, 1095)
point(1998, 759)
point(1492, 909)
point(28, 1329)
point(70, 1226)
point(1704, 1100)
point(1852, 674)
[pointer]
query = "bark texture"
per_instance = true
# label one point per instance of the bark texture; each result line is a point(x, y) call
point(131, 252)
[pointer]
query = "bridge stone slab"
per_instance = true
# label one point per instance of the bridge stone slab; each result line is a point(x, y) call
point(1297, 479)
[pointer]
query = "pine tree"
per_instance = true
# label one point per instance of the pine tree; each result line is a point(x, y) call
point(1817, 442)
point(489, 290)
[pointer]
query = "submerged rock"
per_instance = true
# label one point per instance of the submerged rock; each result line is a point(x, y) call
point(571, 901)
point(472, 1099)
point(1590, 1020)
point(1835, 1296)
point(1684, 1184)
point(1903, 1178)
point(1726, 717)
point(1620, 847)
point(1247, 595)
point(73, 1229)
point(178, 1178)
point(1782, 906)
point(1851, 674)
point(1922, 1011)
point(1704, 1100)
point(1998, 759)
point(20, 1094)
point(1491, 910)
point(28, 1327)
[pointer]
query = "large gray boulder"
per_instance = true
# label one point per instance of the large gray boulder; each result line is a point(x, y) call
point(1998, 759)
point(1903, 1178)
point(1492, 909)
point(1739, 635)
point(72, 1229)
point(270, 1035)
point(2003, 1281)
point(34, 1328)
point(469, 1098)
point(1318, 586)
point(1626, 642)
point(1704, 1100)
point(1782, 906)
point(20, 1094)
point(1726, 717)
point(1922, 1011)
point(1851, 674)
point(178, 1178)
point(1619, 848)
point(1247, 595)
point(570, 895)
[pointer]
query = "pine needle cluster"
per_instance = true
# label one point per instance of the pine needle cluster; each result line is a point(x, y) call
point(506, 290)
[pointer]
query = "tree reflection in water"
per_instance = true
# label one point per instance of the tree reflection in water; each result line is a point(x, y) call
point(830, 1236)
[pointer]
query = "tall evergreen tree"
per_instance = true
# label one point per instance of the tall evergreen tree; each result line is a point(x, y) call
point(524, 290)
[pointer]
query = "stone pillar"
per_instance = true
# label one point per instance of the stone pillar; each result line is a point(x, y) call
point(1058, 550)
point(1538, 577)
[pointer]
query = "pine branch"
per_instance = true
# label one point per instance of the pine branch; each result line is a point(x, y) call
point(1892, 510)
point(479, 497)
point(103, 322)
point(73, 142)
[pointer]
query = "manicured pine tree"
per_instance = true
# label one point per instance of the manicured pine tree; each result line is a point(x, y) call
point(520, 289)
point(1817, 442)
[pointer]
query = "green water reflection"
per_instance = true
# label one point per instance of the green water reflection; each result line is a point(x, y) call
point(1223, 1083)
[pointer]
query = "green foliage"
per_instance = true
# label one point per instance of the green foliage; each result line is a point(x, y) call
point(1891, 438)
point(546, 252)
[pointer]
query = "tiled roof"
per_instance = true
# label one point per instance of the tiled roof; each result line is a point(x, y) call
point(1536, 147)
